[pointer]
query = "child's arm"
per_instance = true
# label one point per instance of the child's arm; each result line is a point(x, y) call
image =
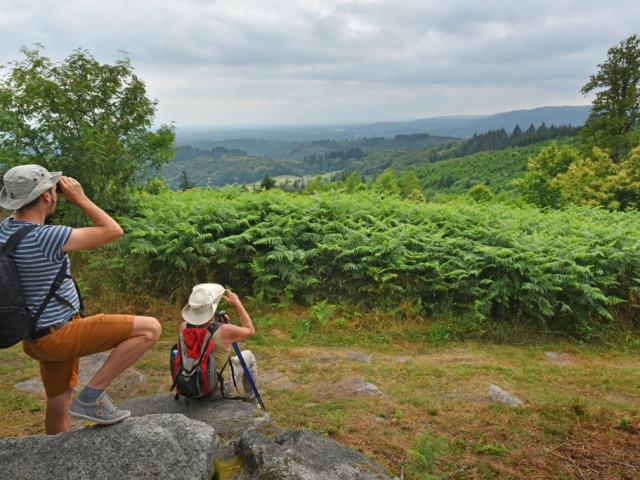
point(232, 333)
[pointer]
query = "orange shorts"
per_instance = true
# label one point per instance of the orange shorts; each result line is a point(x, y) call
point(59, 352)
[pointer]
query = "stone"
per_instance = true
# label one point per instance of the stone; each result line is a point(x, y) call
point(33, 385)
point(558, 358)
point(228, 417)
point(366, 388)
point(359, 357)
point(130, 379)
point(152, 447)
point(304, 455)
point(348, 386)
point(499, 395)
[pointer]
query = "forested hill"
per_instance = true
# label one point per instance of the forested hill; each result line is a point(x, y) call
point(222, 165)
point(247, 161)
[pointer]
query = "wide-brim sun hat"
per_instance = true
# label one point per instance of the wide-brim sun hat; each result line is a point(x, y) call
point(25, 183)
point(203, 302)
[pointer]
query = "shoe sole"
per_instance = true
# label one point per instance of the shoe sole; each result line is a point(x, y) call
point(97, 420)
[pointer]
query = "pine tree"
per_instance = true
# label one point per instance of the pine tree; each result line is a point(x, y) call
point(185, 183)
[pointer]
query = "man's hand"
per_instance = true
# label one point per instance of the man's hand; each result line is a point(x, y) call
point(71, 190)
point(106, 229)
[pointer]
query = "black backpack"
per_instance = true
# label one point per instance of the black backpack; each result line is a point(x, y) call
point(16, 323)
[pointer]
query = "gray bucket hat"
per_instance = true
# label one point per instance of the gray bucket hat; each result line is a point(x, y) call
point(25, 183)
point(203, 302)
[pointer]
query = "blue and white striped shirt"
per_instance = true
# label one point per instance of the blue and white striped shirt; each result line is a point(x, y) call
point(38, 258)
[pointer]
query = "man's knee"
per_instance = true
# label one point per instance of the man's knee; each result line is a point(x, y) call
point(148, 327)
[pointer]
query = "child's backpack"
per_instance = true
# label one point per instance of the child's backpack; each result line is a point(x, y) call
point(193, 364)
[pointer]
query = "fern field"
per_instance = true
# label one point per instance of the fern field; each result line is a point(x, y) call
point(564, 269)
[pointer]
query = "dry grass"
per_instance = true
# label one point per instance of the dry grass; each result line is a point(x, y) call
point(581, 420)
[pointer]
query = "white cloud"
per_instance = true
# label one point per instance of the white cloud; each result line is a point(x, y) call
point(277, 61)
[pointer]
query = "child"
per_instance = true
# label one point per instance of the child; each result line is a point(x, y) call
point(200, 312)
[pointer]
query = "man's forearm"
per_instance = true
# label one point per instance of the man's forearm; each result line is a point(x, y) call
point(98, 217)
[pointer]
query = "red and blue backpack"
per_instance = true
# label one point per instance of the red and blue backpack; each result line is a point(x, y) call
point(193, 363)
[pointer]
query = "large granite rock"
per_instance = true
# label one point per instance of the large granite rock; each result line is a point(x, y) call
point(303, 455)
point(229, 417)
point(151, 447)
point(165, 438)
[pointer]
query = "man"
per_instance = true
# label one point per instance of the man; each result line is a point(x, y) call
point(61, 336)
point(200, 311)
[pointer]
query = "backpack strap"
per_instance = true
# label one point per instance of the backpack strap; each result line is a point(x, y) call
point(57, 283)
point(14, 240)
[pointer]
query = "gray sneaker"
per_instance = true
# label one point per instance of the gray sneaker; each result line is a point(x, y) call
point(102, 411)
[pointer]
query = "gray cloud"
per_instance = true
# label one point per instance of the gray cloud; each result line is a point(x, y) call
point(278, 61)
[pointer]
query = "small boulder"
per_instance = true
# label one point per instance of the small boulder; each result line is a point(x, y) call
point(367, 388)
point(304, 455)
point(156, 446)
point(499, 395)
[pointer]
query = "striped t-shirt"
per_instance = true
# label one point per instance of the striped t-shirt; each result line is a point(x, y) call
point(38, 258)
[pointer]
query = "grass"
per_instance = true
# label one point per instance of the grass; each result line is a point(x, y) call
point(432, 417)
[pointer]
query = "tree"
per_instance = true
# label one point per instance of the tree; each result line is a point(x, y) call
point(267, 183)
point(90, 120)
point(480, 193)
point(537, 185)
point(387, 183)
point(315, 185)
point(616, 107)
point(588, 181)
point(408, 183)
point(353, 182)
point(185, 183)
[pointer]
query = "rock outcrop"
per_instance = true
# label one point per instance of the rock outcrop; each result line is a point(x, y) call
point(301, 454)
point(169, 439)
point(151, 447)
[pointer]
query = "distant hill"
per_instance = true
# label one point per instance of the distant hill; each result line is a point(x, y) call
point(452, 126)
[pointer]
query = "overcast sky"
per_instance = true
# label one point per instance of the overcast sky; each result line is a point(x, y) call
point(288, 62)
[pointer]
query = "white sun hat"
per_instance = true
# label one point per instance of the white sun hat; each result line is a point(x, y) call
point(203, 302)
point(25, 183)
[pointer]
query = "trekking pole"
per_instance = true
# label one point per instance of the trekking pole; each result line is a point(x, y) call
point(225, 318)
